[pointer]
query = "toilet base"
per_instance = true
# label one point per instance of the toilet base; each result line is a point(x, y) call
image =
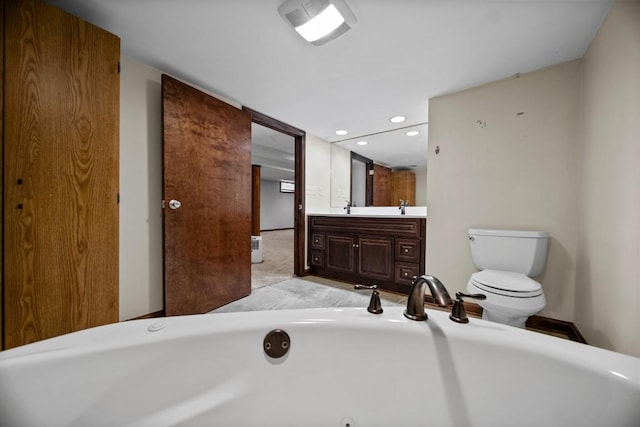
point(493, 316)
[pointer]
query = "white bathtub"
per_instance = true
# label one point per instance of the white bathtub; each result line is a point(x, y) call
point(344, 367)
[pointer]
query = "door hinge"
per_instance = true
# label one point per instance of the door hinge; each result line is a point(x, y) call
point(118, 198)
point(118, 67)
point(162, 204)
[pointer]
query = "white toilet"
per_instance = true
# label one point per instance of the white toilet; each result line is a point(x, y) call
point(508, 258)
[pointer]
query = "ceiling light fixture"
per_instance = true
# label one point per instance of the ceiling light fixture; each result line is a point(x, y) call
point(362, 142)
point(412, 133)
point(341, 132)
point(318, 21)
point(397, 119)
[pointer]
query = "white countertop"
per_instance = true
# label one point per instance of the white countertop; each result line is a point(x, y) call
point(344, 215)
point(377, 211)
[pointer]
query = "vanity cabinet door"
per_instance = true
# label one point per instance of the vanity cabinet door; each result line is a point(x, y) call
point(405, 272)
point(387, 252)
point(408, 250)
point(317, 259)
point(317, 241)
point(340, 253)
point(375, 257)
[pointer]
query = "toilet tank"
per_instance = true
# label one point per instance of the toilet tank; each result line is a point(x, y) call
point(517, 251)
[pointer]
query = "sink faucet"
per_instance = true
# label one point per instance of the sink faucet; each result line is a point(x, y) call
point(403, 204)
point(348, 208)
point(415, 303)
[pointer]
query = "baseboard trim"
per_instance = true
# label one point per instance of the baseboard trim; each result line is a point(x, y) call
point(539, 323)
point(159, 313)
point(563, 327)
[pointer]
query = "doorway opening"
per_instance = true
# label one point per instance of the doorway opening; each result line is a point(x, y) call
point(280, 197)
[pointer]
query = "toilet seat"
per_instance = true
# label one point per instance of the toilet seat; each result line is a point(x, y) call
point(508, 284)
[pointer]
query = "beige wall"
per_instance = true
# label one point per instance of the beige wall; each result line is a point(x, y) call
point(317, 175)
point(607, 291)
point(141, 286)
point(568, 165)
point(421, 188)
point(340, 176)
point(498, 168)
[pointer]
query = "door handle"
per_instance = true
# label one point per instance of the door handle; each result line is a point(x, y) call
point(174, 204)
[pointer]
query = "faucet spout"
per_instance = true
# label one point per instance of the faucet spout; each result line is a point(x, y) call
point(403, 204)
point(415, 303)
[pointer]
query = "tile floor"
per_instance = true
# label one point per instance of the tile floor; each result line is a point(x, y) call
point(310, 292)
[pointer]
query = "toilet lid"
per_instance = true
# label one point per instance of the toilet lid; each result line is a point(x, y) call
point(506, 283)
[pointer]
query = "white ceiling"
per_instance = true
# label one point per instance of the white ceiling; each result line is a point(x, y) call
point(400, 54)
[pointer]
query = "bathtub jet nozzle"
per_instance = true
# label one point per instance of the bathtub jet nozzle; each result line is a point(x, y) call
point(276, 343)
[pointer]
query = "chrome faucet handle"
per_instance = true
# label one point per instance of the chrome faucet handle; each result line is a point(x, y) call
point(375, 306)
point(458, 313)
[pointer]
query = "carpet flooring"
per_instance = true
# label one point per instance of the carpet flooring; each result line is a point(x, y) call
point(277, 259)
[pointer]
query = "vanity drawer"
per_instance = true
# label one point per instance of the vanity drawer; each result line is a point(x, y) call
point(317, 259)
point(405, 272)
point(408, 250)
point(317, 240)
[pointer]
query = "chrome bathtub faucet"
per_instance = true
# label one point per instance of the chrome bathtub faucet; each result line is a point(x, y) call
point(415, 303)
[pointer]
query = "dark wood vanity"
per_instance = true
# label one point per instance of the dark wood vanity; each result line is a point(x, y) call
point(383, 250)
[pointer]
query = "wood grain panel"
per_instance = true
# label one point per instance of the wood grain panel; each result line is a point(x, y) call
point(207, 167)
point(381, 186)
point(403, 187)
point(61, 173)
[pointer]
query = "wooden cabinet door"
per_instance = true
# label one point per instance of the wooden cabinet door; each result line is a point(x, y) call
point(375, 258)
point(61, 104)
point(340, 253)
point(207, 168)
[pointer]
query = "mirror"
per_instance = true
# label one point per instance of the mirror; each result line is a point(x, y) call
point(391, 151)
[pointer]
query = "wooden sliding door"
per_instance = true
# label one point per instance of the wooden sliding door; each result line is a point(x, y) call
point(207, 194)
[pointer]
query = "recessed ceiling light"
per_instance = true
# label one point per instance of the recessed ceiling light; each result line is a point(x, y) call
point(362, 143)
point(397, 119)
point(341, 132)
point(412, 133)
